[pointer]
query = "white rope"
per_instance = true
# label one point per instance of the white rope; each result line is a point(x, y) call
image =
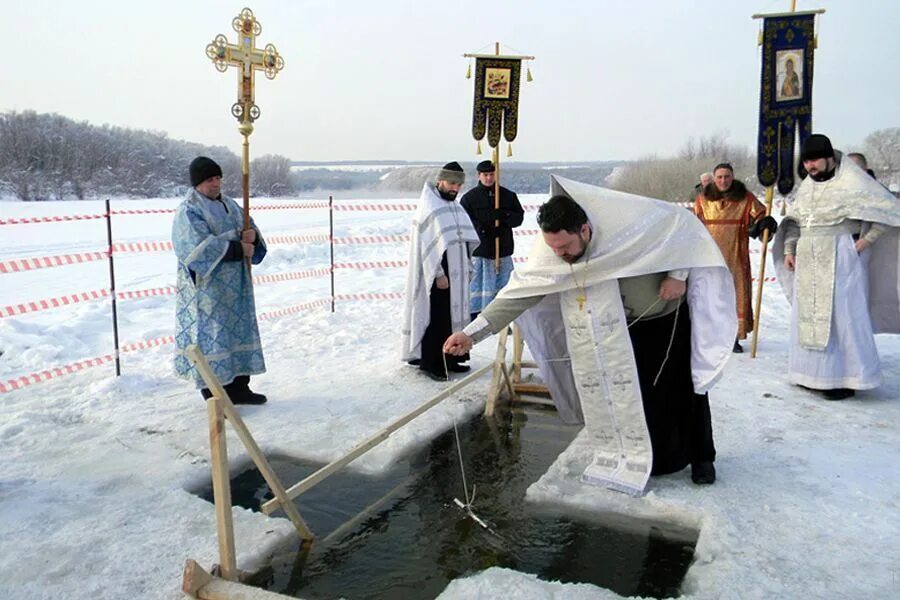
point(671, 340)
point(467, 505)
point(668, 348)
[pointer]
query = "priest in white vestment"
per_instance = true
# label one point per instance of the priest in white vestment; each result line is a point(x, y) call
point(442, 241)
point(836, 255)
point(609, 263)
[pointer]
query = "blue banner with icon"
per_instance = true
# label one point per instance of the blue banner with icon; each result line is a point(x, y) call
point(785, 98)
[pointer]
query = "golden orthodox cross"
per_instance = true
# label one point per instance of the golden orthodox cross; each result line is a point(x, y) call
point(248, 59)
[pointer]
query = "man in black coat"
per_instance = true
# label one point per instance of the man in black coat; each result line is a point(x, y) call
point(480, 204)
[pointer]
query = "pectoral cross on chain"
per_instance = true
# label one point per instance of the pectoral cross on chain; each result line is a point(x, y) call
point(581, 299)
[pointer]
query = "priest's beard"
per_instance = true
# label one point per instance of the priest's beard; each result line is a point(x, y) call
point(574, 258)
point(821, 176)
point(448, 195)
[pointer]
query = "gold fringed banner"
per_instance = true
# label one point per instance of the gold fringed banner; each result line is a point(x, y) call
point(496, 107)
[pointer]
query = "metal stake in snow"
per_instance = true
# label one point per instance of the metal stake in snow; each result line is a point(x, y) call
point(248, 59)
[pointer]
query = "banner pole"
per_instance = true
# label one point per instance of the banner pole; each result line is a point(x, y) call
point(497, 192)
point(770, 193)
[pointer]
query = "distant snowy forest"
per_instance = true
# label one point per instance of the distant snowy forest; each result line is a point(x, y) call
point(51, 157)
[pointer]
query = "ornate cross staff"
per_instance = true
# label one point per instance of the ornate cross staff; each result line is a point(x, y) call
point(248, 59)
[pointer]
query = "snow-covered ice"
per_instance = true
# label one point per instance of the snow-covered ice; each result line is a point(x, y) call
point(92, 485)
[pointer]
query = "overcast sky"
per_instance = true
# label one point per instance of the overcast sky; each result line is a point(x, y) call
point(377, 79)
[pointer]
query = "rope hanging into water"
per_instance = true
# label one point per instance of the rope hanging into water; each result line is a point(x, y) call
point(467, 505)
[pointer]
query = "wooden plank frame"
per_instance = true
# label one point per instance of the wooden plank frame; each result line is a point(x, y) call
point(370, 442)
point(197, 583)
point(259, 459)
point(512, 377)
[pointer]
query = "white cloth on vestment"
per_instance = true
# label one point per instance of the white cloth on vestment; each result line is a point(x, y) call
point(632, 236)
point(439, 226)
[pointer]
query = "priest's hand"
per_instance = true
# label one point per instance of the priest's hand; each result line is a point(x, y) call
point(442, 283)
point(458, 344)
point(790, 262)
point(248, 249)
point(248, 236)
point(671, 288)
point(861, 245)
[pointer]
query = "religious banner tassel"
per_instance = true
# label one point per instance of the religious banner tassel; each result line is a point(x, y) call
point(509, 150)
point(469, 76)
point(478, 148)
point(528, 76)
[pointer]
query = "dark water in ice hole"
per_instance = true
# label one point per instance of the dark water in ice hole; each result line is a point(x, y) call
point(401, 536)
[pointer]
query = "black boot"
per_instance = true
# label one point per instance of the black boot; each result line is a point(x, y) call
point(838, 394)
point(737, 349)
point(436, 376)
point(703, 473)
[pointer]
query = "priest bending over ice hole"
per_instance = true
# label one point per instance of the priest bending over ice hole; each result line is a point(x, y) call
point(613, 268)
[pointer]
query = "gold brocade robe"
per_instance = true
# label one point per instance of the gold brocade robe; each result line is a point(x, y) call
point(728, 221)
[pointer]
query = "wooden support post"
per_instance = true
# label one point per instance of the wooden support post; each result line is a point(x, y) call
point(197, 583)
point(246, 438)
point(518, 344)
point(372, 441)
point(494, 389)
point(221, 487)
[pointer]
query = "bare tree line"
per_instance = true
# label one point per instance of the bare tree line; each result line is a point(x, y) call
point(673, 179)
point(50, 157)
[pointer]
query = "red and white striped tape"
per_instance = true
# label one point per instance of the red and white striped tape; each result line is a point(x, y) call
point(143, 211)
point(48, 303)
point(292, 309)
point(293, 276)
point(371, 239)
point(295, 206)
point(30, 264)
point(296, 239)
point(158, 246)
point(50, 219)
point(134, 294)
point(41, 376)
point(374, 207)
point(371, 296)
point(378, 264)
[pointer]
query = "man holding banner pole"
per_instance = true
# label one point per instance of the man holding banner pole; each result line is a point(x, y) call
point(494, 217)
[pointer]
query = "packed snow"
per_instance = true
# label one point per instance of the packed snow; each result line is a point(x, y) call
point(92, 488)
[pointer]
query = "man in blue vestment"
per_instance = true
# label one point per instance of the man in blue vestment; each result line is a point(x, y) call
point(214, 304)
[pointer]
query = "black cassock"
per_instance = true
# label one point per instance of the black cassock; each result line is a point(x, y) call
point(679, 420)
point(438, 330)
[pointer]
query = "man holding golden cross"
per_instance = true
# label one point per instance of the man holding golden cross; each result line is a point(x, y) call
point(214, 238)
